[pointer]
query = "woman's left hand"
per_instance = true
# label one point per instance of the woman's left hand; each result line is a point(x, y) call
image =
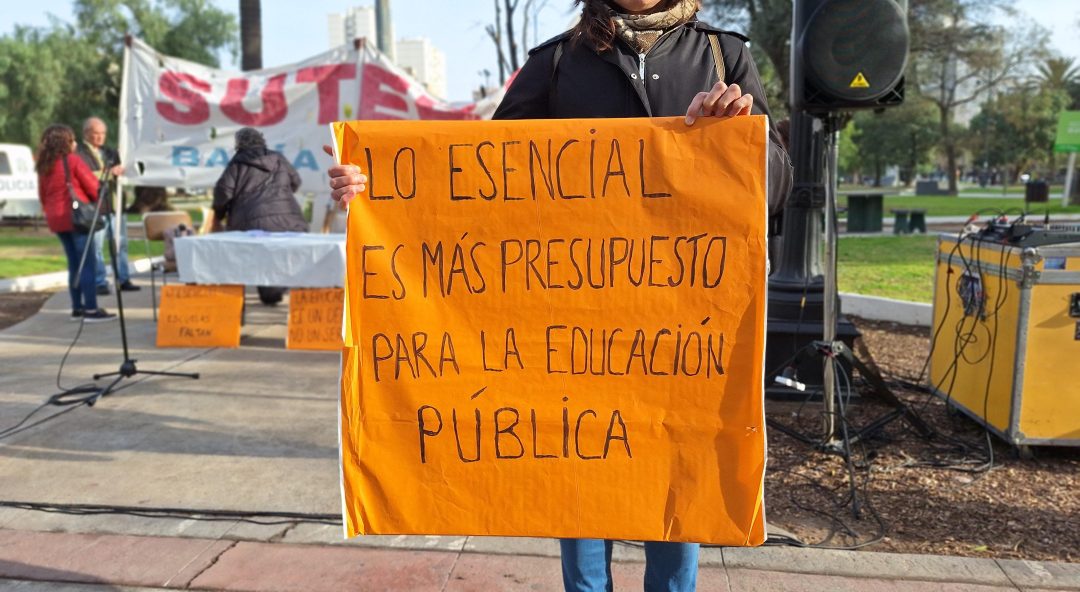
point(722, 100)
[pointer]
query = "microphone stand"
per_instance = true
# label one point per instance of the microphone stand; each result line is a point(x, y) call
point(127, 368)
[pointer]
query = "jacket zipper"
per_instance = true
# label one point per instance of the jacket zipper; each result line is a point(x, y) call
point(641, 56)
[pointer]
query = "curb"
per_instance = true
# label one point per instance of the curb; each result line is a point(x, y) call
point(58, 279)
point(877, 308)
point(215, 564)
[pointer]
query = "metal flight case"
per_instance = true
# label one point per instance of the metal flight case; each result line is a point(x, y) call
point(1005, 344)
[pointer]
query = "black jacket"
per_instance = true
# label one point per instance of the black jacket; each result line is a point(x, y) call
point(256, 193)
point(110, 158)
point(611, 83)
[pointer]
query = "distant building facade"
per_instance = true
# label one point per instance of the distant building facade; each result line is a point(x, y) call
point(417, 56)
point(357, 22)
point(424, 62)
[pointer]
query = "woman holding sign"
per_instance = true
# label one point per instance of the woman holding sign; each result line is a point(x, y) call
point(631, 58)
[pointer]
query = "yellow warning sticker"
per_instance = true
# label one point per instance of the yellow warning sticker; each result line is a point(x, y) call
point(859, 81)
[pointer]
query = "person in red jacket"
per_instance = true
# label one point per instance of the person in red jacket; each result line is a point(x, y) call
point(58, 142)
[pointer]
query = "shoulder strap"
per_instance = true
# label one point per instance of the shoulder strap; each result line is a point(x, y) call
point(554, 71)
point(67, 177)
point(717, 55)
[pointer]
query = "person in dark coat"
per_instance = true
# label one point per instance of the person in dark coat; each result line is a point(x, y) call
point(256, 192)
point(632, 58)
point(97, 155)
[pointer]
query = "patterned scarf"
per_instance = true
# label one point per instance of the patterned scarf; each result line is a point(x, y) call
point(93, 150)
point(641, 31)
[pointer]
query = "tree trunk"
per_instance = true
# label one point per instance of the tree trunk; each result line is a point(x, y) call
point(947, 141)
point(950, 160)
point(495, 32)
point(511, 40)
point(250, 35)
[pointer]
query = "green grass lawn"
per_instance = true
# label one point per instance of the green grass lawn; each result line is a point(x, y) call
point(30, 252)
point(900, 267)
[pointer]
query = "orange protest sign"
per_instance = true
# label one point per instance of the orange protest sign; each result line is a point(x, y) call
point(200, 316)
point(315, 318)
point(556, 328)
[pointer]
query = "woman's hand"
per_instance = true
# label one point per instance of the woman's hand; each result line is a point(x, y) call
point(722, 100)
point(346, 181)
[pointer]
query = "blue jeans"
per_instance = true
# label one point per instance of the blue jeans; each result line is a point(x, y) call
point(669, 567)
point(82, 289)
point(121, 253)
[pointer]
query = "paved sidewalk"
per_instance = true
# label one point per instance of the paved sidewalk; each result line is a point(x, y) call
point(111, 561)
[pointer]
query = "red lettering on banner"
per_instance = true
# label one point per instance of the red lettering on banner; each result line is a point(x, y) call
point(274, 107)
point(386, 96)
point(182, 88)
point(327, 79)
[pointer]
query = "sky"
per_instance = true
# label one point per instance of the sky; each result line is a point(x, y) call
point(291, 34)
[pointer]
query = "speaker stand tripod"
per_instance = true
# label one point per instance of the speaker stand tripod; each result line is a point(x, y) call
point(127, 369)
point(831, 350)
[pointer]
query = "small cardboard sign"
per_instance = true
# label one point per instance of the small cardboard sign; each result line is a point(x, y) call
point(200, 316)
point(315, 318)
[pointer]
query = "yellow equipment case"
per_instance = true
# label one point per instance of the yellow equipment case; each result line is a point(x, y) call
point(1006, 337)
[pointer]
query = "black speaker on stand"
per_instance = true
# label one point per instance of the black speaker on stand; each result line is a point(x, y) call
point(846, 55)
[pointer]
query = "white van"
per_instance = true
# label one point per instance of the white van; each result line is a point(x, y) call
point(18, 182)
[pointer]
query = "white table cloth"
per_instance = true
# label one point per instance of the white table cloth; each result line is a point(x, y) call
point(259, 258)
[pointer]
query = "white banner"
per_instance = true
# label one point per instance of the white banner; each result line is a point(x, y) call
point(178, 118)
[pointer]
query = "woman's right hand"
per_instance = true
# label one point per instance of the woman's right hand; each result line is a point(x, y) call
point(346, 181)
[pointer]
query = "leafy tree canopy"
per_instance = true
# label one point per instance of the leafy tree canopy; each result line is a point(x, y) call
point(66, 72)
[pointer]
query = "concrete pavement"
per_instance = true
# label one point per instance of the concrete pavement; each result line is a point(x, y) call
point(256, 434)
point(39, 560)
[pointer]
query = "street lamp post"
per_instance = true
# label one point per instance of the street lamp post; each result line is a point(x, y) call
point(797, 284)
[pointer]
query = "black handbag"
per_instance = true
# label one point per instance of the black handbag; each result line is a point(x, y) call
point(84, 217)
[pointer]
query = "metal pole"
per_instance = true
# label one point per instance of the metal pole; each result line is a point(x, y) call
point(250, 35)
point(1067, 191)
point(384, 29)
point(830, 295)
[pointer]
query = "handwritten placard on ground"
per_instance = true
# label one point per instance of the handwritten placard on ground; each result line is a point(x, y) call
point(315, 318)
point(200, 316)
point(556, 328)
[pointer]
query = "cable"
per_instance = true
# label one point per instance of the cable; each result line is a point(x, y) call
point(964, 337)
point(254, 517)
point(84, 393)
point(75, 396)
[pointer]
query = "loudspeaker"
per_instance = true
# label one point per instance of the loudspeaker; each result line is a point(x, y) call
point(848, 54)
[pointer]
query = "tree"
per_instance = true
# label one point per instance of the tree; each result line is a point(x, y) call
point(903, 136)
point(1015, 130)
point(847, 157)
point(31, 83)
point(510, 33)
point(960, 53)
point(768, 24)
point(73, 70)
point(1063, 75)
